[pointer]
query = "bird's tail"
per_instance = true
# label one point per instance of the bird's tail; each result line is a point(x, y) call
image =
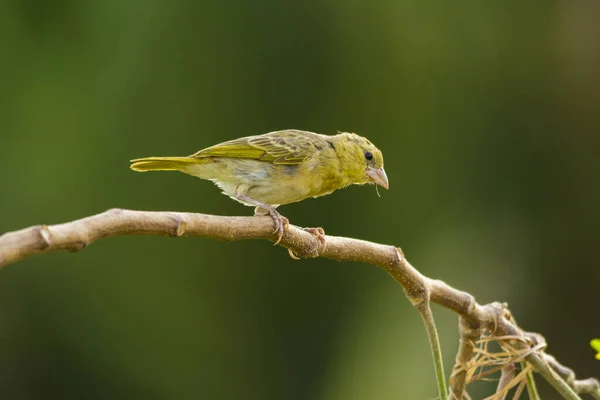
point(163, 163)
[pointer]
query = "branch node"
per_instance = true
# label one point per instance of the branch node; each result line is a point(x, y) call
point(399, 254)
point(416, 301)
point(497, 312)
point(469, 329)
point(46, 236)
point(181, 228)
point(535, 339)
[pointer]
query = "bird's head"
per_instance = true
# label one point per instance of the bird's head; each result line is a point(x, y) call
point(362, 161)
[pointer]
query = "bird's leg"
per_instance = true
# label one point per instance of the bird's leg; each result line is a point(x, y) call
point(279, 220)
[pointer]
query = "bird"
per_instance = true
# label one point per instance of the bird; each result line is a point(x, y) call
point(281, 167)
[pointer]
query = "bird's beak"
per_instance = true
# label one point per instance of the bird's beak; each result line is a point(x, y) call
point(378, 176)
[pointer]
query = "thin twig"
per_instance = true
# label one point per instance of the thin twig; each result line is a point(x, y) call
point(532, 390)
point(541, 367)
point(508, 374)
point(505, 385)
point(424, 309)
point(589, 386)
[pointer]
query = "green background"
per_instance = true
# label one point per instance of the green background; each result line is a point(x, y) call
point(487, 113)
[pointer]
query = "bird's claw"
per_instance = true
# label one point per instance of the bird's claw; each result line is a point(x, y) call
point(281, 224)
point(319, 233)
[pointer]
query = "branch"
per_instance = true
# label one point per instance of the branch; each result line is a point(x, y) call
point(424, 309)
point(466, 347)
point(492, 318)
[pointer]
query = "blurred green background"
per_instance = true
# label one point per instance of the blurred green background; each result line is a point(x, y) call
point(488, 115)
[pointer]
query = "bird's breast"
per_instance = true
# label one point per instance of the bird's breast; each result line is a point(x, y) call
point(274, 183)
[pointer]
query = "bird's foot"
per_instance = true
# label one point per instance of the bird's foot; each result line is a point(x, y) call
point(319, 233)
point(281, 222)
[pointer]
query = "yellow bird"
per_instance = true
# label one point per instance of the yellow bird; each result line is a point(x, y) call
point(282, 167)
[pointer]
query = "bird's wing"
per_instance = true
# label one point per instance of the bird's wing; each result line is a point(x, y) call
point(281, 147)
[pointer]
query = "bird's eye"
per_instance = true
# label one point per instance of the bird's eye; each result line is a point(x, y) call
point(369, 155)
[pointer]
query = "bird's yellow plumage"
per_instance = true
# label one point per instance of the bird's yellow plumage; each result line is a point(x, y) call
point(281, 167)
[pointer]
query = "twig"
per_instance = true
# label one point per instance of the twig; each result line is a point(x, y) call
point(469, 335)
point(508, 374)
point(588, 386)
point(532, 390)
point(424, 308)
point(76, 235)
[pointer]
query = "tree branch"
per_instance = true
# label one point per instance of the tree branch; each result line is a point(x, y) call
point(466, 347)
point(492, 318)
